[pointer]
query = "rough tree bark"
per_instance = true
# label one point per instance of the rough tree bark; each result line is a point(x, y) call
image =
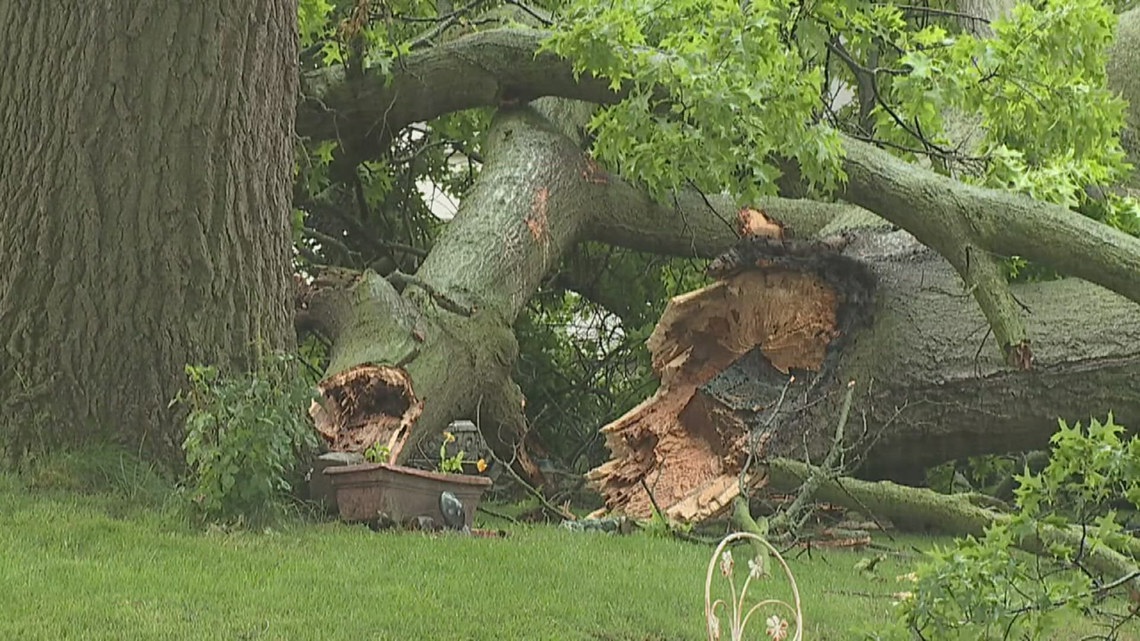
point(975, 16)
point(967, 226)
point(1123, 60)
point(147, 162)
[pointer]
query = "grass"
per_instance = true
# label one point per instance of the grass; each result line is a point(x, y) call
point(75, 569)
point(98, 566)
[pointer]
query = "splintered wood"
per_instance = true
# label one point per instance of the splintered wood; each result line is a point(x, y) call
point(754, 222)
point(688, 450)
point(365, 405)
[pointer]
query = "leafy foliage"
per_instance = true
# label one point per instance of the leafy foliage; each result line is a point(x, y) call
point(244, 435)
point(749, 82)
point(978, 473)
point(377, 214)
point(377, 453)
point(981, 589)
point(714, 75)
point(578, 367)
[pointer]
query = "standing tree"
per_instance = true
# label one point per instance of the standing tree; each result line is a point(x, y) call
point(148, 157)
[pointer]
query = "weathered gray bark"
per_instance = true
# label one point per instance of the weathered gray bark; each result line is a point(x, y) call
point(973, 228)
point(1123, 62)
point(930, 389)
point(474, 70)
point(147, 162)
point(926, 388)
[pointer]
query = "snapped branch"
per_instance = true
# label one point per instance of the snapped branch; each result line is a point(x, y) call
point(971, 227)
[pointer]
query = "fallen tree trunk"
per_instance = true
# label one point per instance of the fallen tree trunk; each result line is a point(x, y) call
point(919, 364)
point(928, 390)
point(450, 327)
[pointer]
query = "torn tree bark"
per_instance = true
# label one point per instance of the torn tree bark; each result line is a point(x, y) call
point(692, 453)
point(366, 405)
point(795, 302)
point(928, 390)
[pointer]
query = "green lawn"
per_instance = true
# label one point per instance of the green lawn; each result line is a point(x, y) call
point(92, 566)
point(78, 566)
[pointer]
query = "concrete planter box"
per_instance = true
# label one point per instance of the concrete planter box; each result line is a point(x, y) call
point(365, 490)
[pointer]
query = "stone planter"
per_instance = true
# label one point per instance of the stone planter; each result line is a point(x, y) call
point(366, 490)
point(321, 491)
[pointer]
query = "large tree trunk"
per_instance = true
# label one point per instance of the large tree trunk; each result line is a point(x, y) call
point(976, 16)
point(147, 162)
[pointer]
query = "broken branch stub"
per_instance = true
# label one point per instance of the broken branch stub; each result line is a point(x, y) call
point(782, 303)
point(364, 405)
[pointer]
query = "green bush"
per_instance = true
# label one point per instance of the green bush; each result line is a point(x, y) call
point(244, 437)
point(986, 588)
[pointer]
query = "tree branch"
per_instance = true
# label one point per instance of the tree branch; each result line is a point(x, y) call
point(692, 225)
point(471, 71)
point(928, 205)
point(968, 225)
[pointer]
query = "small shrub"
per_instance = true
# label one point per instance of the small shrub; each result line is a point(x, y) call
point(987, 589)
point(244, 436)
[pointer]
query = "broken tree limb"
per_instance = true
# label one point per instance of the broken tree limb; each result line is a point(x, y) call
point(972, 226)
point(691, 453)
point(486, 264)
point(369, 323)
point(793, 517)
point(692, 224)
point(927, 390)
point(366, 405)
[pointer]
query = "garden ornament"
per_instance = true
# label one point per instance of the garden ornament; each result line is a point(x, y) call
point(452, 510)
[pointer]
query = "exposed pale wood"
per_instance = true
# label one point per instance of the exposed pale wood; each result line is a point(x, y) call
point(926, 389)
point(366, 405)
point(689, 454)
